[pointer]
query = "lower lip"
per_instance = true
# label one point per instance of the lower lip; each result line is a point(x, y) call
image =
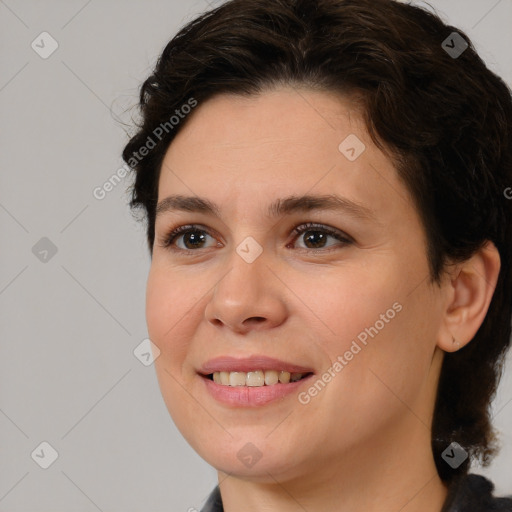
point(251, 396)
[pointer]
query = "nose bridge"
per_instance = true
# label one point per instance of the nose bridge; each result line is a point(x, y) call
point(247, 263)
point(246, 290)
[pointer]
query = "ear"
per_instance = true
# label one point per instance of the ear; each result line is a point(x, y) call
point(469, 289)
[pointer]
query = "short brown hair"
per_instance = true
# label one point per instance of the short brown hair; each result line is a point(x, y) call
point(445, 119)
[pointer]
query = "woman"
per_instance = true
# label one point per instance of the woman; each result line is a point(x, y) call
point(330, 292)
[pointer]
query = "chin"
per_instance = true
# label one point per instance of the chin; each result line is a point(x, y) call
point(255, 457)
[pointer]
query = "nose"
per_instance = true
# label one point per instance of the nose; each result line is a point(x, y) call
point(248, 297)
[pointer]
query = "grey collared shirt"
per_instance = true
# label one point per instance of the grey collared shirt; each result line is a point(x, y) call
point(472, 493)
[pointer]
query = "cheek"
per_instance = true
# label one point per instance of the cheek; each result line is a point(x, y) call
point(169, 296)
point(382, 332)
point(348, 301)
point(167, 316)
point(167, 308)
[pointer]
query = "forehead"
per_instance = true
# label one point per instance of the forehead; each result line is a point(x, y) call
point(247, 152)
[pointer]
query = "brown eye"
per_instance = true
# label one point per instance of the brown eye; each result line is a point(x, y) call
point(192, 238)
point(315, 236)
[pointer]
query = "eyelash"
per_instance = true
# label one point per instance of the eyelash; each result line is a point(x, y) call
point(169, 239)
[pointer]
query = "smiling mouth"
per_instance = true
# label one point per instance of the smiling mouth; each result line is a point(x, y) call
point(256, 378)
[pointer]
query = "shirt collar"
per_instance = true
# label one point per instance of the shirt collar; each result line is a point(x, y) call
point(471, 493)
point(214, 502)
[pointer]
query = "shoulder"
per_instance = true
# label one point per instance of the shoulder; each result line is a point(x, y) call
point(474, 493)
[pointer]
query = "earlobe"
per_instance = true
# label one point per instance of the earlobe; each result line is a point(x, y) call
point(469, 294)
point(456, 344)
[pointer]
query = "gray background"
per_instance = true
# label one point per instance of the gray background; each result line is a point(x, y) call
point(70, 323)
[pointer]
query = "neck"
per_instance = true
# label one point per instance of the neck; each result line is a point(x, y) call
point(396, 475)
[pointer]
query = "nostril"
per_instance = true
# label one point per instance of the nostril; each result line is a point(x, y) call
point(255, 319)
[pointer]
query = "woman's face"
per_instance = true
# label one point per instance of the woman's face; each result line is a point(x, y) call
point(353, 307)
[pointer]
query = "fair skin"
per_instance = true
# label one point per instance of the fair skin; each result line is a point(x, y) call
point(363, 442)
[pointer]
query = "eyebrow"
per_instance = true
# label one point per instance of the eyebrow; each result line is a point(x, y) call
point(284, 206)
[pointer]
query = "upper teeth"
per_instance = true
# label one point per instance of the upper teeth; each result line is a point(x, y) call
point(255, 378)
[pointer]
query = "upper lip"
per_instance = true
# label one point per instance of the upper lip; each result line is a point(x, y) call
point(247, 364)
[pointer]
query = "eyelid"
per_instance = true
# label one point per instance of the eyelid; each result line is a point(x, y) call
point(331, 231)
